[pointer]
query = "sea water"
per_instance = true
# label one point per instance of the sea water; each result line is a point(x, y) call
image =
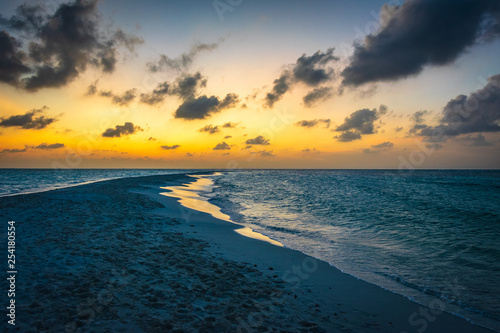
point(433, 236)
point(20, 181)
point(428, 235)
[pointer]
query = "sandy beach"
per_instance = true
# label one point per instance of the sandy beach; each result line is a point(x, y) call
point(119, 256)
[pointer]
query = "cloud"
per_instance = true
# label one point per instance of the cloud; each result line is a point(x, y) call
point(92, 89)
point(124, 99)
point(184, 61)
point(265, 153)
point(317, 95)
point(434, 145)
point(222, 146)
point(14, 150)
point(170, 147)
point(476, 113)
point(383, 146)
point(280, 87)
point(203, 107)
point(314, 150)
point(119, 130)
point(210, 129)
point(229, 101)
point(197, 108)
point(61, 45)
point(348, 136)
point(418, 119)
point(313, 123)
point(398, 129)
point(361, 120)
point(186, 85)
point(474, 141)
point(228, 137)
point(29, 120)
point(12, 60)
point(156, 96)
point(230, 125)
point(310, 70)
point(49, 146)
point(260, 140)
point(420, 33)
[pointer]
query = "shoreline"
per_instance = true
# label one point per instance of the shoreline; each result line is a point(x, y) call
point(87, 239)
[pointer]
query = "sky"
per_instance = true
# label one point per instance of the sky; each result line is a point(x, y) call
point(250, 84)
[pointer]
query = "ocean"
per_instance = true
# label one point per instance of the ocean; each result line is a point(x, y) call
point(20, 181)
point(430, 235)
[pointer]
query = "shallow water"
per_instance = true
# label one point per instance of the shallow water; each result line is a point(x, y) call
point(430, 235)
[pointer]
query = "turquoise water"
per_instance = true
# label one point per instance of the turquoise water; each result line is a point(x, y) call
point(433, 236)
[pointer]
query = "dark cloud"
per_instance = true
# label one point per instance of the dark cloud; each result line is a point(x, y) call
point(418, 119)
point(229, 101)
point(222, 146)
point(187, 85)
point(15, 150)
point(265, 153)
point(156, 96)
point(92, 89)
point(197, 108)
point(49, 146)
point(29, 120)
point(230, 125)
point(119, 130)
point(280, 87)
point(203, 106)
point(317, 95)
point(61, 45)
point(474, 141)
point(420, 33)
point(184, 61)
point(260, 140)
point(310, 70)
point(476, 113)
point(170, 147)
point(307, 150)
point(361, 120)
point(228, 137)
point(124, 99)
point(210, 129)
point(348, 136)
point(12, 60)
point(434, 145)
point(313, 123)
point(383, 146)
point(398, 129)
